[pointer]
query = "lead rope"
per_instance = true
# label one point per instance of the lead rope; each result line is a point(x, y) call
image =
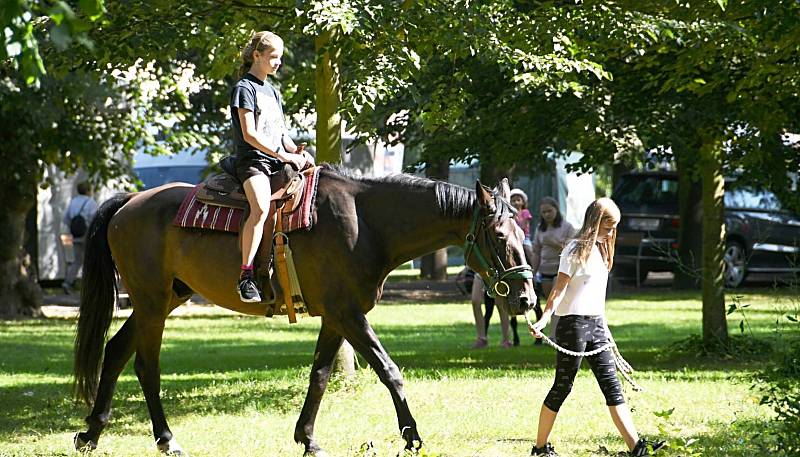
point(623, 367)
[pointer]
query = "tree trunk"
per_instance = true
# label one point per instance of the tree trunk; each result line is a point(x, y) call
point(715, 327)
point(434, 265)
point(329, 146)
point(20, 294)
point(690, 192)
point(490, 173)
point(345, 363)
point(328, 97)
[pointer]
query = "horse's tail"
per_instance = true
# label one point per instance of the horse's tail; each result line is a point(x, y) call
point(97, 300)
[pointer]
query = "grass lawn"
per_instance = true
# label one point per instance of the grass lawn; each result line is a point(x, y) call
point(233, 385)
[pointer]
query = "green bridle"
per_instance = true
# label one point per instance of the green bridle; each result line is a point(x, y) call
point(494, 276)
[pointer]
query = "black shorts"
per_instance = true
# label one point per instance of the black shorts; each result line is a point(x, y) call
point(252, 163)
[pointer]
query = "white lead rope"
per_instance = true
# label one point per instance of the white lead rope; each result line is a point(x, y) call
point(623, 366)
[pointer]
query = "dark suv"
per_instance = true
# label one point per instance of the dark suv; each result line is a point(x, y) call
point(760, 236)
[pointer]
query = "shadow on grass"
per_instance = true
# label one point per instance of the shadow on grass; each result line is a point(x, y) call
point(35, 409)
point(209, 369)
point(193, 348)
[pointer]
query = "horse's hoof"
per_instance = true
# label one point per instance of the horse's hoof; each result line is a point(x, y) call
point(412, 448)
point(171, 447)
point(83, 444)
point(317, 453)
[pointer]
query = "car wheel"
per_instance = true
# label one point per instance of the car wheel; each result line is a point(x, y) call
point(735, 264)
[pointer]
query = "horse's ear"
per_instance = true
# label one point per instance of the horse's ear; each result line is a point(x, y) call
point(505, 189)
point(484, 195)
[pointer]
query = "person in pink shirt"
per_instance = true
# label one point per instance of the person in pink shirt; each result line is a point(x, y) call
point(519, 200)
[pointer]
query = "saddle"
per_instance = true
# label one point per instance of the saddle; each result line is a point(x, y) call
point(292, 205)
point(224, 189)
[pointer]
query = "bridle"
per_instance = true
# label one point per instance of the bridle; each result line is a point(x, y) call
point(495, 274)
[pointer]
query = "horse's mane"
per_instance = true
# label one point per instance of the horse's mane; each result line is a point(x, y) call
point(453, 200)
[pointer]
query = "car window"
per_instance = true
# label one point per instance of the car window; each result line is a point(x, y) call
point(749, 198)
point(156, 176)
point(646, 190)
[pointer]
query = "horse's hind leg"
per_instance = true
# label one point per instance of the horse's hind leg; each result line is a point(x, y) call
point(328, 344)
point(149, 332)
point(118, 351)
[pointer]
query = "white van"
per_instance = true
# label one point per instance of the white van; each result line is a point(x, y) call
point(187, 166)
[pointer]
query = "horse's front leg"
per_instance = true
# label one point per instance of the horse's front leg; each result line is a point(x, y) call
point(328, 344)
point(359, 333)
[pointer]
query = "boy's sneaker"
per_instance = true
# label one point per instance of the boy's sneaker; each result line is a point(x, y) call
point(248, 291)
point(547, 450)
point(644, 447)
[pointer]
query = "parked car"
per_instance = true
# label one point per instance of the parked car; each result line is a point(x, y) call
point(760, 237)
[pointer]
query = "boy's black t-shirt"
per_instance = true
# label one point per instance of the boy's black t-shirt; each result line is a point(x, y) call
point(264, 101)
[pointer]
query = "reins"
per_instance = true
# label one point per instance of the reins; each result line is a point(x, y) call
point(624, 368)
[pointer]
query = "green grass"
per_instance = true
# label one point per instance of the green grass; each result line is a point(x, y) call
point(233, 385)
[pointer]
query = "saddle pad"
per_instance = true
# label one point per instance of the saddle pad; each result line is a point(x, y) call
point(302, 216)
point(196, 214)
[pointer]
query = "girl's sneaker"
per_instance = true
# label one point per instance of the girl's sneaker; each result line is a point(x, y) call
point(480, 343)
point(547, 451)
point(248, 291)
point(644, 447)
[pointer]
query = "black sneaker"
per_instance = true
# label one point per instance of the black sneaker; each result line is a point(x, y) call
point(547, 450)
point(644, 447)
point(248, 291)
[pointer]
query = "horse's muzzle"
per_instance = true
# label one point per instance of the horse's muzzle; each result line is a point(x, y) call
point(519, 305)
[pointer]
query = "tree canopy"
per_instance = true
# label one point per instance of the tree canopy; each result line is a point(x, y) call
point(86, 83)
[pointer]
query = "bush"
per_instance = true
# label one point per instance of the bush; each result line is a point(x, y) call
point(780, 386)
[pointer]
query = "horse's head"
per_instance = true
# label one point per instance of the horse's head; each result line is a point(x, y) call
point(494, 249)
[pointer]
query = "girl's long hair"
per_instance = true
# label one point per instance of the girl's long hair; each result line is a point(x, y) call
point(261, 42)
point(557, 221)
point(598, 211)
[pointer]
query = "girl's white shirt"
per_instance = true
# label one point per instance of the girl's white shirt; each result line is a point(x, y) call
point(586, 292)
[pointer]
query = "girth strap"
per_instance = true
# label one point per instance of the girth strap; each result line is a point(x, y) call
point(280, 265)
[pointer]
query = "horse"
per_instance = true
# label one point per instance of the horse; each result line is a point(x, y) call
point(363, 229)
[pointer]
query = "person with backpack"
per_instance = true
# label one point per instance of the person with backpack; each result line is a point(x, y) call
point(77, 218)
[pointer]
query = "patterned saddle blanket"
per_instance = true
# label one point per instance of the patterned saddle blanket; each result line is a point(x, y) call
point(219, 202)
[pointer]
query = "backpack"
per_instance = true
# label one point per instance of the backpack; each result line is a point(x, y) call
point(77, 225)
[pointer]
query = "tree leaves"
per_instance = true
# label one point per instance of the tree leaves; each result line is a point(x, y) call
point(26, 22)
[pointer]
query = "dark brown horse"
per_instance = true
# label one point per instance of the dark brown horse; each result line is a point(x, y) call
point(364, 228)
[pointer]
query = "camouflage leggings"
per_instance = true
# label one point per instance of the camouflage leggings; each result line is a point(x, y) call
point(583, 334)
